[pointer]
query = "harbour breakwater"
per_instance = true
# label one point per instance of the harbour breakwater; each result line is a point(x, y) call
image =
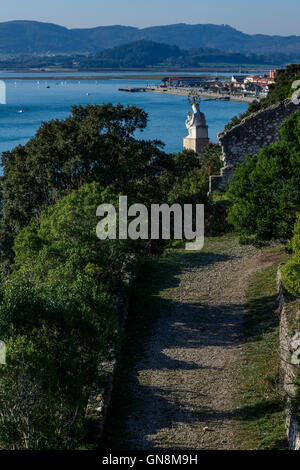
point(201, 94)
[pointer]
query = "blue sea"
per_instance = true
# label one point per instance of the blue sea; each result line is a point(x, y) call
point(167, 113)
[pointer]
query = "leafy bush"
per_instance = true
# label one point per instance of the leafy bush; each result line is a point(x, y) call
point(56, 336)
point(64, 243)
point(185, 178)
point(95, 143)
point(265, 193)
point(191, 190)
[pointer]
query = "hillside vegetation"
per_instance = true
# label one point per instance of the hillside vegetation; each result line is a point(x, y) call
point(148, 53)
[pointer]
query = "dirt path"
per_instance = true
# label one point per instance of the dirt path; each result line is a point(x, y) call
point(183, 385)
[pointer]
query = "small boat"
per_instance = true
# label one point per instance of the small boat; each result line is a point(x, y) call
point(20, 111)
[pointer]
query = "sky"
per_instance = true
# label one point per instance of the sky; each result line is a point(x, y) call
point(250, 16)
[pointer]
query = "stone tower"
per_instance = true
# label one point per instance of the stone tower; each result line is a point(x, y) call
point(197, 139)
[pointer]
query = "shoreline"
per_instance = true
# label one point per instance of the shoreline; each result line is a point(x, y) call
point(211, 96)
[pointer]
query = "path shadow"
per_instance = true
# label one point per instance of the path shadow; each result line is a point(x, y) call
point(185, 325)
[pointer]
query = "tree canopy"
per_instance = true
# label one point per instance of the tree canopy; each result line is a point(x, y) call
point(95, 143)
point(265, 190)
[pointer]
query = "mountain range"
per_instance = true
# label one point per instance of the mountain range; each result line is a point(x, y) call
point(32, 37)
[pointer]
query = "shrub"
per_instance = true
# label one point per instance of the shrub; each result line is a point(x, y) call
point(64, 243)
point(265, 190)
point(95, 143)
point(56, 336)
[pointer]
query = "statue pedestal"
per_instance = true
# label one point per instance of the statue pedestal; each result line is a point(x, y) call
point(196, 144)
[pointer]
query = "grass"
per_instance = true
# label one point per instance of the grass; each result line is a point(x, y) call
point(260, 391)
point(259, 396)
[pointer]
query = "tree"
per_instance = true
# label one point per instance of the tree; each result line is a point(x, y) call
point(64, 243)
point(265, 190)
point(186, 173)
point(95, 143)
point(56, 335)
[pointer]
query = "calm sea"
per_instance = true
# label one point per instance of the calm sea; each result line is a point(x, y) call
point(167, 113)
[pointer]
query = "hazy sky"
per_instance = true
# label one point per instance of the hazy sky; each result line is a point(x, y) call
point(251, 16)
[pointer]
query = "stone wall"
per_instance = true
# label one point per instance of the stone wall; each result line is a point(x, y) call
point(290, 358)
point(248, 137)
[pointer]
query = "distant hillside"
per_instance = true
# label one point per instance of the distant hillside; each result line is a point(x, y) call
point(149, 53)
point(137, 54)
point(29, 37)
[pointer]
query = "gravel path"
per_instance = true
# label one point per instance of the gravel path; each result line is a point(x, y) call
point(183, 385)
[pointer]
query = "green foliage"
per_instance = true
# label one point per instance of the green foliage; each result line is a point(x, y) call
point(216, 222)
point(61, 301)
point(259, 391)
point(94, 144)
point(210, 160)
point(291, 271)
point(145, 53)
point(56, 337)
point(190, 190)
point(185, 178)
point(265, 190)
point(34, 40)
point(64, 243)
point(137, 54)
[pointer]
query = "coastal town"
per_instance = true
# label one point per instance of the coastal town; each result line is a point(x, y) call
point(244, 88)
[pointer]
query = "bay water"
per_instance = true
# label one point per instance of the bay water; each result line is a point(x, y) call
point(30, 102)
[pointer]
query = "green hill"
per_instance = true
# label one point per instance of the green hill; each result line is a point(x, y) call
point(149, 53)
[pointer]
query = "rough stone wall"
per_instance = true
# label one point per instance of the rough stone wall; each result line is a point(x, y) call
point(289, 351)
point(197, 145)
point(254, 132)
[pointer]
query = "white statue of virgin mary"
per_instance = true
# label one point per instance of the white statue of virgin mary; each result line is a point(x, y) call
point(195, 123)
point(196, 120)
